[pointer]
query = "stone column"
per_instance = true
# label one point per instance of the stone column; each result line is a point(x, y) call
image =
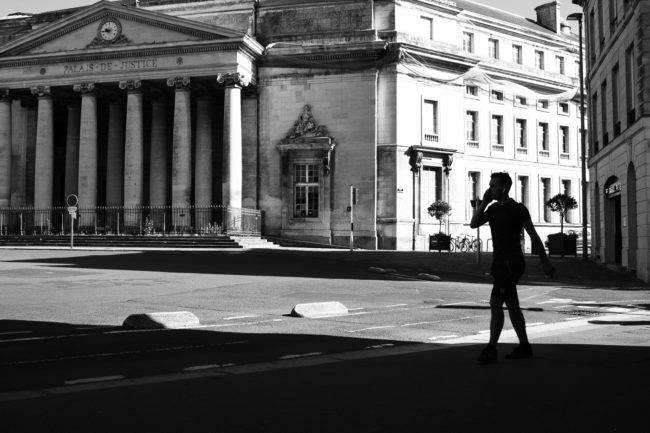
point(133, 156)
point(5, 150)
point(19, 152)
point(44, 159)
point(87, 182)
point(203, 163)
point(158, 160)
point(232, 149)
point(115, 152)
point(115, 164)
point(72, 149)
point(182, 153)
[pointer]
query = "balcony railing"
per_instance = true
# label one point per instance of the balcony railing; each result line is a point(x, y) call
point(431, 137)
point(139, 220)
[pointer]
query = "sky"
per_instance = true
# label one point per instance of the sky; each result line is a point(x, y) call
point(525, 8)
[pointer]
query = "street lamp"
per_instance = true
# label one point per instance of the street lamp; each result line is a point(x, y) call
point(583, 147)
point(475, 203)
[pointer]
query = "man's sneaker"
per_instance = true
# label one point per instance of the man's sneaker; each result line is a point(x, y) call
point(488, 355)
point(523, 351)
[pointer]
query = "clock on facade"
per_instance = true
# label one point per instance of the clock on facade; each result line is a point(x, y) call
point(109, 30)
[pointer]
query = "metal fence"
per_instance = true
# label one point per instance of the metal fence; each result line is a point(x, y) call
point(139, 220)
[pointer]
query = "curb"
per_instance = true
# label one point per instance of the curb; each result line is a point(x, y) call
point(319, 309)
point(164, 320)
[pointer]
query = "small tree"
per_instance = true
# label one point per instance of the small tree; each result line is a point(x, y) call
point(439, 209)
point(562, 203)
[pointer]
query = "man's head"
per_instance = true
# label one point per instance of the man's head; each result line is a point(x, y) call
point(500, 184)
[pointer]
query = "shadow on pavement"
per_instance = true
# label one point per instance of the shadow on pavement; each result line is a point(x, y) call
point(564, 388)
point(332, 264)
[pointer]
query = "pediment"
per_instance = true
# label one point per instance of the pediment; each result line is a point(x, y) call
point(106, 25)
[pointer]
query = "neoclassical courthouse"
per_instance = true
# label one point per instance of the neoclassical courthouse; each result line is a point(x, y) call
point(283, 105)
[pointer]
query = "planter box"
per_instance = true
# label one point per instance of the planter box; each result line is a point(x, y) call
point(439, 242)
point(564, 245)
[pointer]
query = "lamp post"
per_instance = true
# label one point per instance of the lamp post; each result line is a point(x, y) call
point(475, 203)
point(583, 146)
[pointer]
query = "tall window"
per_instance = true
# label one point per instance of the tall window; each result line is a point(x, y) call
point(546, 196)
point(630, 84)
point(601, 31)
point(566, 189)
point(592, 35)
point(564, 139)
point(474, 187)
point(497, 130)
point(517, 55)
point(493, 45)
point(426, 27)
point(471, 126)
point(603, 112)
point(615, 113)
point(523, 190)
point(430, 120)
point(539, 60)
point(306, 187)
point(521, 133)
point(430, 188)
point(471, 90)
point(468, 42)
point(542, 137)
point(593, 108)
point(559, 64)
point(612, 16)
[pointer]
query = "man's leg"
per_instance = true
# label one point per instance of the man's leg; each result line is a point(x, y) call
point(523, 351)
point(517, 319)
point(496, 319)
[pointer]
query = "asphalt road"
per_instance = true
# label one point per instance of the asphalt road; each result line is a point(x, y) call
point(64, 353)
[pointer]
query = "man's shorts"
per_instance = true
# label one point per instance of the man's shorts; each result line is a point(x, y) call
point(506, 275)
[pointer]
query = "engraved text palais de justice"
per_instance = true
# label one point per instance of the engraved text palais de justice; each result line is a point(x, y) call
point(122, 65)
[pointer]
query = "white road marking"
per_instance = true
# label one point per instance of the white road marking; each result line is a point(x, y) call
point(201, 367)
point(304, 355)
point(221, 325)
point(15, 332)
point(356, 309)
point(239, 317)
point(394, 305)
point(125, 352)
point(379, 346)
point(94, 379)
point(556, 301)
point(442, 337)
point(534, 324)
point(372, 328)
point(618, 310)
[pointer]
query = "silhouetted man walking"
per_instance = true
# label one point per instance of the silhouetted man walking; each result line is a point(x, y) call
point(507, 218)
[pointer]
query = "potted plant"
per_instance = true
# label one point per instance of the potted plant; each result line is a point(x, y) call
point(440, 210)
point(559, 243)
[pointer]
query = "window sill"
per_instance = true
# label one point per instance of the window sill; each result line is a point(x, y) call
point(472, 144)
point(498, 147)
point(544, 153)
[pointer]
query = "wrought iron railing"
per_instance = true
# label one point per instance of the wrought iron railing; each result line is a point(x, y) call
point(137, 220)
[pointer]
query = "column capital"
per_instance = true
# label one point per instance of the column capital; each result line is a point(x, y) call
point(84, 88)
point(41, 91)
point(130, 85)
point(233, 79)
point(179, 82)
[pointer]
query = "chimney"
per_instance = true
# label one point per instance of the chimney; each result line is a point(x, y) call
point(548, 16)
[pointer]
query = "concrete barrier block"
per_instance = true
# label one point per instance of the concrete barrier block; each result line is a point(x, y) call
point(429, 277)
point(319, 309)
point(163, 320)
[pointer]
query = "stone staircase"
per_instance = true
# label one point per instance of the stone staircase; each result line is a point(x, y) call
point(125, 241)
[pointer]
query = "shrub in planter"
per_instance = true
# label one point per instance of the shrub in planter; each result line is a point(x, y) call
point(561, 203)
point(561, 244)
point(440, 210)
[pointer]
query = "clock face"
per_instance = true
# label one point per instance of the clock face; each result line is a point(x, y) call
point(109, 30)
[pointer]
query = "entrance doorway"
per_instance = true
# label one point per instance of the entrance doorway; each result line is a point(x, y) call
point(613, 232)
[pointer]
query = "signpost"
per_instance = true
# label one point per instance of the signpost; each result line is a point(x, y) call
point(353, 201)
point(72, 202)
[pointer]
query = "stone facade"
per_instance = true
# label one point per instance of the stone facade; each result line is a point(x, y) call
point(293, 102)
point(618, 53)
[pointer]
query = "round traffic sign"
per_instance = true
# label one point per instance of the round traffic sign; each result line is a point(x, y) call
point(72, 200)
